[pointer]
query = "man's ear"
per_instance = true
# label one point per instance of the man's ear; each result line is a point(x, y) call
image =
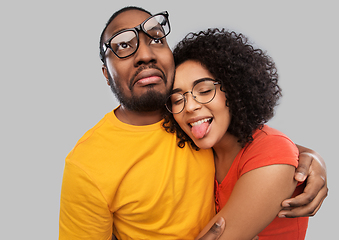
point(105, 72)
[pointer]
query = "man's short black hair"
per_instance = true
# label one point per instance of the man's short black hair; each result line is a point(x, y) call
point(111, 19)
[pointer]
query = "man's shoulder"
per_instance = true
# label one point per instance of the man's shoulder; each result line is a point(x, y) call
point(96, 128)
point(91, 138)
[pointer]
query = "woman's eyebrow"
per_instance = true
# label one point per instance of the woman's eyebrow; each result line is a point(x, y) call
point(175, 90)
point(203, 79)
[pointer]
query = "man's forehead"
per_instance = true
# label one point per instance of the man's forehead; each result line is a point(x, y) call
point(125, 20)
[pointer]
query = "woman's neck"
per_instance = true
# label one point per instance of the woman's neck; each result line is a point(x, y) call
point(225, 152)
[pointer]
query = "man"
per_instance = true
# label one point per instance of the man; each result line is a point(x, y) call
point(126, 175)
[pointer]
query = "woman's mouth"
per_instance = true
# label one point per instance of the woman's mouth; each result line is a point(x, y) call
point(200, 128)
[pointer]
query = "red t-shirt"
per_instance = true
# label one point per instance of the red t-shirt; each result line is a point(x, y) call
point(268, 147)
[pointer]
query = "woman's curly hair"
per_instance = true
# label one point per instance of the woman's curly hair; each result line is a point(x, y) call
point(248, 77)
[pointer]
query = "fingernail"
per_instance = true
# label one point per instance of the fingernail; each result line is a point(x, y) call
point(282, 216)
point(300, 177)
point(219, 222)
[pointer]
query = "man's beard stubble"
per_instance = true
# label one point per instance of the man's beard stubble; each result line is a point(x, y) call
point(151, 101)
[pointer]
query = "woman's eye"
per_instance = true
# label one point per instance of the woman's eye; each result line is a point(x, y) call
point(178, 101)
point(204, 92)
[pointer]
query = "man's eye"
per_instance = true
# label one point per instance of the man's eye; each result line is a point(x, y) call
point(156, 41)
point(122, 45)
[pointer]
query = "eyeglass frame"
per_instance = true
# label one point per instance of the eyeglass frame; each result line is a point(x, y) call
point(215, 82)
point(136, 30)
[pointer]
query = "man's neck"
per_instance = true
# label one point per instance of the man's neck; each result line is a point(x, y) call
point(138, 118)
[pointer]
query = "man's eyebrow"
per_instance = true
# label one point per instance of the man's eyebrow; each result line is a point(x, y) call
point(118, 31)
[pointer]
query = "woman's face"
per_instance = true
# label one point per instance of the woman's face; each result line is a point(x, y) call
point(205, 124)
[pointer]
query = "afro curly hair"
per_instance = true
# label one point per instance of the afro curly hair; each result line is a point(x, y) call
point(248, 78)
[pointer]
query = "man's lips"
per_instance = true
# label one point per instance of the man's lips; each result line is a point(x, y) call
point(148, 81)
point(147, 77)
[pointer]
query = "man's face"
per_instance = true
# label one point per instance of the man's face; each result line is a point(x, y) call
point(142, 81)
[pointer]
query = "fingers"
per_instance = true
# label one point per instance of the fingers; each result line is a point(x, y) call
point(316, 185)
point(293, 207)
point(309, 202)
point(215, 231)
point(303, 169)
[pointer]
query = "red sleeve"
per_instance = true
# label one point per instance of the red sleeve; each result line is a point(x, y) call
point(268, 147)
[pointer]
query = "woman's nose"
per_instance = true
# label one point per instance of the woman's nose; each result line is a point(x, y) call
point(191, 104)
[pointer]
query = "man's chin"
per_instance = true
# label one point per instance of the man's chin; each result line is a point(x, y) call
point(147, 102)
point(153, 88)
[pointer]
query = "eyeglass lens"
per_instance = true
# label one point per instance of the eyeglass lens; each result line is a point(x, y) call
point(203, 92)
point(126, 42)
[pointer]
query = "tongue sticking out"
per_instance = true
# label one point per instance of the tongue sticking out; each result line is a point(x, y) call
point(199, 130)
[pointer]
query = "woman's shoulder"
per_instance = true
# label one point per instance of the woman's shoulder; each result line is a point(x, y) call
point(269, 146)
point(269, 136)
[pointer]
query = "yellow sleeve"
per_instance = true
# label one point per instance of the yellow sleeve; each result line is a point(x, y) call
point(84, 212)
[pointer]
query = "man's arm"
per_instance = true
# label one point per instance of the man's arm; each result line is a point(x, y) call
point(83, 210)
point(312, 168)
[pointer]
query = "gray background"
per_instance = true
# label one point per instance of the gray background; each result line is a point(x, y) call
point(53, 91)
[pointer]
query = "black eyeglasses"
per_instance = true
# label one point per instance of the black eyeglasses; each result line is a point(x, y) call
point(202, 92)
point(126, 42)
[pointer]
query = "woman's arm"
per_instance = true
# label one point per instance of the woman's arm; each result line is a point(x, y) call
point(255, 201)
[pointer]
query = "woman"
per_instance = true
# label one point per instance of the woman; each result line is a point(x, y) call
point(224, 93)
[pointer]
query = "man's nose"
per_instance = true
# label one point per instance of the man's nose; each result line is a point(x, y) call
point(145, 53)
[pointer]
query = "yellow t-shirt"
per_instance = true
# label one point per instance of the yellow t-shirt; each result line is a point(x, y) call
point(136, 182)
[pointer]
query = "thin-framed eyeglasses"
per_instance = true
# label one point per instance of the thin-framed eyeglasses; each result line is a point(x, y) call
point(203, 91)
point(126, 42)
